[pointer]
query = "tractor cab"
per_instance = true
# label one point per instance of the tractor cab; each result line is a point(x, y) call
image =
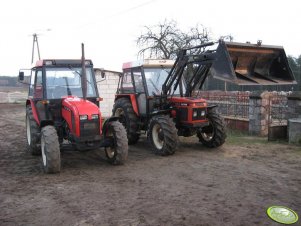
point(53, 82)
point(143, 81)
point(54, 79)
point(62, 112)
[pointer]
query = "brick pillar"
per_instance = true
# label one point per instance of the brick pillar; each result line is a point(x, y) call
point(294, 105)
point(259, 109)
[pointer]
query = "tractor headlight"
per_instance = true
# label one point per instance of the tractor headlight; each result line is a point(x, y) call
point(203, 113)
point(194, 114)
point(94, 117)
point(83, 117)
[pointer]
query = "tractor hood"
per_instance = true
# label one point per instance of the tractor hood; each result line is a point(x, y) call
point(188, 101)
point(81, 106)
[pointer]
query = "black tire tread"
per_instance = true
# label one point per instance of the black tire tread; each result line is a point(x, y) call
point(52, 150)
point(220, 135)
point(131, 119)
point(34, 147)
point(121, 143)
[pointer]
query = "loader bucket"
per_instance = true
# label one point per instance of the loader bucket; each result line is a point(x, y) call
point(252, 64)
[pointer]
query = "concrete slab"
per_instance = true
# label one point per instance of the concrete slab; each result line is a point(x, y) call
point(294, 131)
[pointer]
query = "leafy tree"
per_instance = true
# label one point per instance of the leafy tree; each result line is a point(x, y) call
point(295, 64)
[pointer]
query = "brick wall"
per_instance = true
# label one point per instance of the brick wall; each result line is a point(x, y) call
point(107, 87)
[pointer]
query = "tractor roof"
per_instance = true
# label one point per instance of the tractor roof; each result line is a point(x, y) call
point(148, 63)
point(61, 62)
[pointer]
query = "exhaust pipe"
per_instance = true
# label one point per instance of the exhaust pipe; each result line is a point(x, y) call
point(84, 76)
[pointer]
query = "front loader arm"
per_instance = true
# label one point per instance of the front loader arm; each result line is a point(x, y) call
point(203, 61)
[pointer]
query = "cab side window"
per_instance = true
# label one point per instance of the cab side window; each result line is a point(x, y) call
point(38, 89)
point(127, 83)
point(138, 82)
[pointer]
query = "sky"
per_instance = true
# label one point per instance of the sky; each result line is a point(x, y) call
point(109, 29)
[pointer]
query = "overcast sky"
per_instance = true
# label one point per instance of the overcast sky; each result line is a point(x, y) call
point(109, 28)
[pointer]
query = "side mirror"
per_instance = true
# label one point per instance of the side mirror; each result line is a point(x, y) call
point(103, 74)
point(21, 75)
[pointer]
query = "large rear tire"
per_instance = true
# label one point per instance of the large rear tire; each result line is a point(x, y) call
point(116, 154)
point(124, 110)
point(32, 133)
point(213, 135)
point(163, 135)
point(50, 147)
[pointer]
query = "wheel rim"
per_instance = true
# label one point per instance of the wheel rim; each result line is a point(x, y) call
point(119, 112)
point(110, 151)
point(158, 137)
point(28, 134)
point(43, 150)
point(207, 136)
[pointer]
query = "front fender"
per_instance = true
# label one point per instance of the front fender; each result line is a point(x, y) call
point(106, 123)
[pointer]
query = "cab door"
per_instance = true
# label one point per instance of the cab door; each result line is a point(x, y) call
point(139, 90)
point(38, 93)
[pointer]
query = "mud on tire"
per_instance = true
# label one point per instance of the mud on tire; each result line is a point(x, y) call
point(214, 135)
point(162, 134)
point(123, 109)
point(118, 152)
point(50, 147)
point(32, 133)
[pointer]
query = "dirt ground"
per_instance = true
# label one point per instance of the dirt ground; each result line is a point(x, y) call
point(233, 185)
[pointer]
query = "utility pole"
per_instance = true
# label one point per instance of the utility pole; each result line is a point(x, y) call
point(35, 41)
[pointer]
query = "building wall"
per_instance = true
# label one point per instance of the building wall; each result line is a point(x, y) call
point(107, 88)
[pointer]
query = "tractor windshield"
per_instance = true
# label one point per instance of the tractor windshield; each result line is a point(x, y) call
point(67, 81)
point(155, 78)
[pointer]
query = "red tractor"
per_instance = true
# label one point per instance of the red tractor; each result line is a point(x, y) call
point(154, 97)
point(62, 111)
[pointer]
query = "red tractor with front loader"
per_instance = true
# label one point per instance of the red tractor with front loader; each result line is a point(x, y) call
point(62, 112)
point(154, 97)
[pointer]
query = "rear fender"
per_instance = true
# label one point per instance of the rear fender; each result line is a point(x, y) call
point(34, 110)
point(133, 100)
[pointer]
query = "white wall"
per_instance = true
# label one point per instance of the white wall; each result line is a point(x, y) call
point(107, 89)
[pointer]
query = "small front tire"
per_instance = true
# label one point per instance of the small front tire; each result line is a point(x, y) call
point(117, 153)
point(213, 135)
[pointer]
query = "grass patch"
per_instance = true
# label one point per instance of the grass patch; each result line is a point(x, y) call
point(236, 139)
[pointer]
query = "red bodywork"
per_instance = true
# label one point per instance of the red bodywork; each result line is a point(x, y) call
point(77, 106)
point(189, 103)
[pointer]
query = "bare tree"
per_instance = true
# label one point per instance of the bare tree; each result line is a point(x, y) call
point(163, 40)
point(227, 38)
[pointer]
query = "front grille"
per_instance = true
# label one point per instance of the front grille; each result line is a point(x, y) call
point(89, 128)
point(183, 114)
point(199, 114)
